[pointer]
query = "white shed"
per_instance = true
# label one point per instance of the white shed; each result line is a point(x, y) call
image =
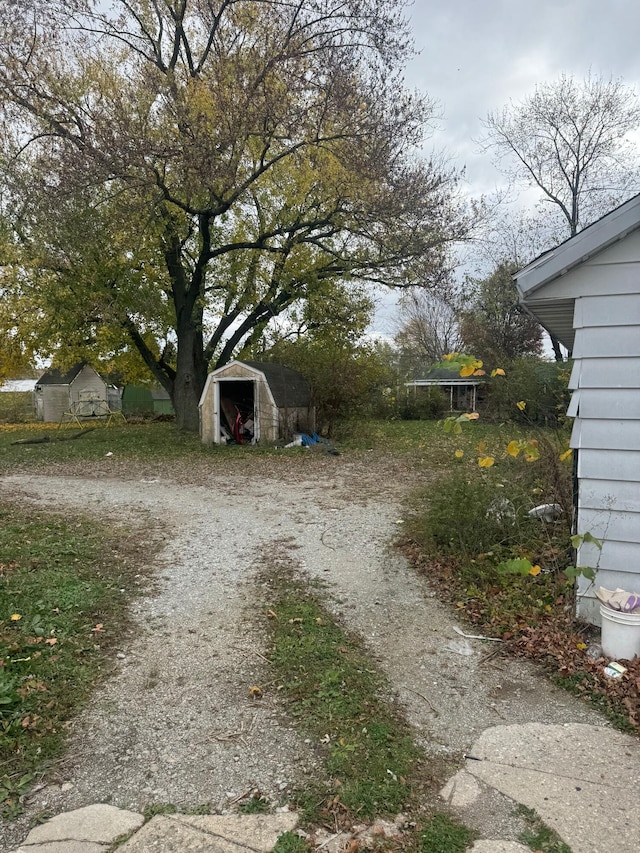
point(80, 390)
point(255, 402)
point(586, 292)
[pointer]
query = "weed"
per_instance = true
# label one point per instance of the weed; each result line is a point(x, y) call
point(289, 842)
point(153, 809)
point(444, 835)
point(538, 836)
point(254, 805)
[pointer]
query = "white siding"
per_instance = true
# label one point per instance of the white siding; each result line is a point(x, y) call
point(606, 432)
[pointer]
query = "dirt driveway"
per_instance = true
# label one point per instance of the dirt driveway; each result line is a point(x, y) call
point(176, 724)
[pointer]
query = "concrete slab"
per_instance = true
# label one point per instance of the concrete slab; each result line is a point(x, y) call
point(257, 831)
point(582, 780)
point(499, 847)
point(461, 790)
point(100, 824)
point(210, 833)
point(64, 847)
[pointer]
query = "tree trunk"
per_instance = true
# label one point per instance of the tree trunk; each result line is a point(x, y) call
point(555, 343)
point(191, 375)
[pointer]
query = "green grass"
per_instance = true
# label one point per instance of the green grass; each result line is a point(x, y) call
point(338, 698)
point(289, 842)
point(538, 836)
point(441, 834)
point(64, 592)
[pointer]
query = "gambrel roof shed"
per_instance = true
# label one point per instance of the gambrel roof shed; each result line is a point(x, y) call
point(586, 292)
point(275, 401)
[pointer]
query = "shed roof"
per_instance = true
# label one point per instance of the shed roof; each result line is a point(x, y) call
point(55, 376)
point(289, 388)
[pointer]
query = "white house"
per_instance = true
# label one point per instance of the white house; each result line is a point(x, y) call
point(586, 292)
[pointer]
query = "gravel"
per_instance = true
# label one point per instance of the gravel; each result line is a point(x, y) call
point(176, 724)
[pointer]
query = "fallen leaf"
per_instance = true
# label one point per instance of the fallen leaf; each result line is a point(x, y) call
point(15, 617)
point(486, 461)
point(459, 454)
point(255, 692)
point(97, 628)
point(521, 404)
point(51, 641)
point(535, 570)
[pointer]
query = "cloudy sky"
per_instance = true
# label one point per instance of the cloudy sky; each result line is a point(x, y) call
point(477, 55)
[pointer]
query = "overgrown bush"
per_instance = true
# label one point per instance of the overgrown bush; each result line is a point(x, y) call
point(541, 385)
point(472, 512)
point(16, 407)
point(426, 404)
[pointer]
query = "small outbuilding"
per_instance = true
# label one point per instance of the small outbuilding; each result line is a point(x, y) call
point(146, 400)
point(249, 401)
point(586, 293)
point(80, 391)
point(464, 394)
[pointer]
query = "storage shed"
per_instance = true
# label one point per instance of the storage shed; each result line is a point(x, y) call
point(586, 292)
point(80, 390)
point(146, 400)
point(249, 401)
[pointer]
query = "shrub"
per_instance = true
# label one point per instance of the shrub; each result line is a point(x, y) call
point(428, 404)
point(542, 385)
point(472, 512)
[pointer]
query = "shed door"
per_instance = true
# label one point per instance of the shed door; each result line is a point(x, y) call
point(237, 413)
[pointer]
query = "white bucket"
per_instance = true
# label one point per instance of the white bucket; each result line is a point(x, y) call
point(620, 633)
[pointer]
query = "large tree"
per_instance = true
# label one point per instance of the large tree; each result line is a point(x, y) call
point(429, 328)
point(570, 140)
point(180, 172)
point(495, 326)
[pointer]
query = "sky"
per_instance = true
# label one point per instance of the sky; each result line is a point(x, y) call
point(476, 56)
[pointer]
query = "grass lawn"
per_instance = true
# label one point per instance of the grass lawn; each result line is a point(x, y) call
point(64, 595)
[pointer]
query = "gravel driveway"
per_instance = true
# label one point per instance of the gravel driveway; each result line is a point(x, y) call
point(176, 723)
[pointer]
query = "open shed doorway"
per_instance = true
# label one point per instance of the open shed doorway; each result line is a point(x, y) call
point(238, 411)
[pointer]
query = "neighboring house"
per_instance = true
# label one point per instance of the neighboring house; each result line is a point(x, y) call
point(79, 390)
point(464, 394)
point(146, 400)
point(255, 401)
point(586, 292)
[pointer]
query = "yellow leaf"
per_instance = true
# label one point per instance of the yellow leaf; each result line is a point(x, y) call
point(513, 448)
point(498, 372)
point(15, 617)
point(486, 461)
point(459, 454)
point(535, 570)
point(521, 405)
point(566, 455)
point(472, 416)
point(479, 373)
point(467, 370)
point(581, 646)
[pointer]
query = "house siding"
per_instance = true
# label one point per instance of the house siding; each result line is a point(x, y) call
point(606, 431)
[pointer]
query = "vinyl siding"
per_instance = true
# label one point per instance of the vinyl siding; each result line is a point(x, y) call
point(606, 431)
